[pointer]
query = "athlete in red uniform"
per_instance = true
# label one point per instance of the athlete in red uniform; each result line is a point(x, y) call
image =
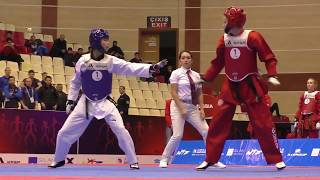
point(236, 51)
point(308, 114)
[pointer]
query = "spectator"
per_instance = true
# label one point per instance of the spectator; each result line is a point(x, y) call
point(31, 43)
point(48, 95)
point(89, 50)
point(136, 58)
point(62, 98)
point(10, 52)
point(59, 47)
point(29, 95)
point(123, 102)
point(35, 82)
point(167, 73)
point(4, 79)
point(275, 107)
point(77, 55)
point(12, 94)
point(44, 75)
point(68, 58)
point(41, 49)
point(115, 50)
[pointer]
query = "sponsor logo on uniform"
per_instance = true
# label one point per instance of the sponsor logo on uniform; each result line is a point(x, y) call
point(298, 152)
point(315, 152)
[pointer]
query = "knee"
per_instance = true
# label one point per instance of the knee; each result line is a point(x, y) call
point(176, 137)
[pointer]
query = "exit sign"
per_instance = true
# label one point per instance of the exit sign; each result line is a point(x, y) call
point(159, 22)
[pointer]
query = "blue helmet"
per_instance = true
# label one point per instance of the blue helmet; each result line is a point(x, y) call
point(95, 39)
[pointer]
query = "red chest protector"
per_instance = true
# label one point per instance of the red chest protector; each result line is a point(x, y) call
point(309, 103)
point(240, 60)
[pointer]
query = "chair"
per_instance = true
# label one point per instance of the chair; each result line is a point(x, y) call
point(163, 87)
point(137, 94)
point(47, 38)
point(115, 83)
point(166, 95)
point(141, 103)
point(13, 65)
point(10, 27)
point(144, 85)
point(36, 67)
point(133, 102)
point(47, 68)
point(39, 36)
point(151, 103)
point(27, 35)
point(153, 86)
point(157, 95)
point(134, 84)
point(25, 66)
point(22, 75)
point(147, 94)
point(69, 70)
point(26, 58)
point(35, 59)
point(2, 27)
point(57, 61)
point(77, 46)
point(161, 104)
point(144, 112)
point(59, 79)
point(124, 83)
point(68, 79)
point(69, 45)
point(46, 60)
point(155, 112)
point(133, 111)
point(58, 70)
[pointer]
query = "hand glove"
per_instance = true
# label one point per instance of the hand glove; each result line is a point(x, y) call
point(318, 126)
point(70, 106)
point(156, 67)
point(274, 81)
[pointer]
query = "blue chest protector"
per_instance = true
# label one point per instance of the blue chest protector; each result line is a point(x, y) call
point(96, 80)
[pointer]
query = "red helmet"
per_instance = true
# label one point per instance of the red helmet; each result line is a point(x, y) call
point(236, 17)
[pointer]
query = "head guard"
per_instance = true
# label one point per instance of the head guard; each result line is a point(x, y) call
point(95, 39)
point(236, 17)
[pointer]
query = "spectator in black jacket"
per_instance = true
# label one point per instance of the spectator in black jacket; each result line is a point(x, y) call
point(48, 95)
point(123, 102)
point(59, 47)
point(115, 50)
point(62, 98)
point(29, 95)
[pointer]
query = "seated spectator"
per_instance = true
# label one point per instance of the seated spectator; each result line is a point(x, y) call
point(275, 107)
point(29, 98)
point(48, 95)
point(41, 49)
point(62, 98)
point(68, 58)
point(12, 94)
point(59, 47)
point(78, 55)
point(115, 50)
point(35, 82)
point(31, 44)
point(89, 50)
point(43, 75)
point(136, 58)
point(123, 103)
point(9, 52)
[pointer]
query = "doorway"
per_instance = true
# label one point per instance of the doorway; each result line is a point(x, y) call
point(155, 45)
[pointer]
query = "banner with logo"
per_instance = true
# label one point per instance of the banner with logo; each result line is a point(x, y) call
point(295, 152)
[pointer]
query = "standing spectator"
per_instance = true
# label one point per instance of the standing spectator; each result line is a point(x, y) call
point(35, 82)
point(59, 47)
point(123, 102)
point(137, 58)
point(12, 94)
point(62, 98)
point(4, 79)
point(48, 95)
point(29, 98)
point(167, 73)
point(115, 50)
point(44, 75)
point(77, 55)
point(68, 58)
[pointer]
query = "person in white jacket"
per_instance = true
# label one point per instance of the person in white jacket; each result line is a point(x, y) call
point(94, 76)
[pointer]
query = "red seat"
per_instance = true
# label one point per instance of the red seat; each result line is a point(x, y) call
point(18, 38)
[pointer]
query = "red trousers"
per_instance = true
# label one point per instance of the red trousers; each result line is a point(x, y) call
point(259, 115)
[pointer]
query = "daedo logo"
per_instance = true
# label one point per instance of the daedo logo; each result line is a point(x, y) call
point(298, 152)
